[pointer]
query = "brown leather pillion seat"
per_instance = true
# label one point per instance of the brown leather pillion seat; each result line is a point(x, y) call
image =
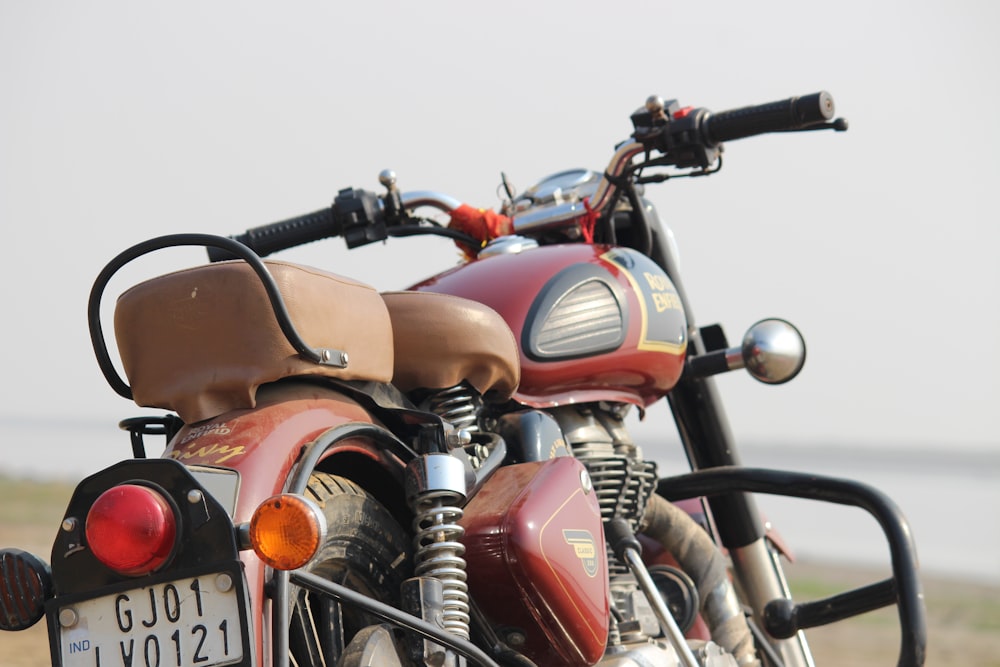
point(442, 340)
point(202, 340)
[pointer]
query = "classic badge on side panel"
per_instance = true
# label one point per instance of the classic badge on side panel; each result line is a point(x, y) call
point(585, 547)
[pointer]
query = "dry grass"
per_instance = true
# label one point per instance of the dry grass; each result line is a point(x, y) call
point(963, 617)
point(30, 513)
point(963, 620)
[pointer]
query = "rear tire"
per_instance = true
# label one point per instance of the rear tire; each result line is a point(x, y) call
point(366, 550)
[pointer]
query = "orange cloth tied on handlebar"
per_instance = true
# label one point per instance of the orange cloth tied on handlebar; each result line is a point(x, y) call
point(479, 223)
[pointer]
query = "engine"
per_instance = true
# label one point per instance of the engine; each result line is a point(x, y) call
point(623, 482)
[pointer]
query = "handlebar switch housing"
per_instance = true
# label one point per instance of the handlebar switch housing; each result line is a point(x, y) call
point(676, 133)
point(651, 122)
point(657, 112)
point(358, 213)
point(690, 148)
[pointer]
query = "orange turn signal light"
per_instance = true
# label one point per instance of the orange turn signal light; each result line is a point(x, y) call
point(287, 530)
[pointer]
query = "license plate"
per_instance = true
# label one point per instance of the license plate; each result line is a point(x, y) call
point(193, 622)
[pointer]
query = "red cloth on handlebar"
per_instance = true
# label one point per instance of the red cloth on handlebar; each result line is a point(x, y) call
point(588, 221)
point(479, 223)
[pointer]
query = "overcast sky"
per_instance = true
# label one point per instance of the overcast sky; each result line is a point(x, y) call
point(120, 121)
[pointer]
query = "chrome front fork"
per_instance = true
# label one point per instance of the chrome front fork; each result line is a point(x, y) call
point(761, 579)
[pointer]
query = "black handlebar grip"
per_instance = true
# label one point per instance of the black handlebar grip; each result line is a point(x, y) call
point(276, 236)
point(791, 114)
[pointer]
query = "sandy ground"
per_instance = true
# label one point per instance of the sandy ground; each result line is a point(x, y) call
point(963, 620)
point(963, 616)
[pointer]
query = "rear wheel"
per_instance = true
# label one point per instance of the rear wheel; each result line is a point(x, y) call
point(366, 550)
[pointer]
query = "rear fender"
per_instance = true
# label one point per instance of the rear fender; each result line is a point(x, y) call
point(275, 446)
point(265, 444)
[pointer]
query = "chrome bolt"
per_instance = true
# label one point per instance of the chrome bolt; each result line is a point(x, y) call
point(654, 104)
point(195, 496)
point(459, 438)
point(68, 617)
point(343, 359)
point(387, 177)
point(516, 638)
point(69, 524)
point(588, 485)
point(223, 583)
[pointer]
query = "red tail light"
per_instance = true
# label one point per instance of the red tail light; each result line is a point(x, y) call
point(131, 529)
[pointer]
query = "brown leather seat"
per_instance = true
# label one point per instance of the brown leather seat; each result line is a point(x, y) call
point(441, 340)
point(201, 341)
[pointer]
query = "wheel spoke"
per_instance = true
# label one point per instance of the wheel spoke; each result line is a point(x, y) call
point(303, 639)
point(361, 551)
point(330, 619)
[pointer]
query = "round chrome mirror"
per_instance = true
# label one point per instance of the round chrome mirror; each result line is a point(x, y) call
point(773, 351)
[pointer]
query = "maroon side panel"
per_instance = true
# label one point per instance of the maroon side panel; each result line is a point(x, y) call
point(537, 561)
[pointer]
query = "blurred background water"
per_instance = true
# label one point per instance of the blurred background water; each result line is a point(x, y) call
point(950, 498)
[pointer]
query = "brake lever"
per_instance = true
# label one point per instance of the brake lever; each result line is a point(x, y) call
point(837, 125)
point(662, 177)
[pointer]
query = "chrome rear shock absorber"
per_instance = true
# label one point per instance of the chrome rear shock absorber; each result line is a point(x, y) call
point(435, 488)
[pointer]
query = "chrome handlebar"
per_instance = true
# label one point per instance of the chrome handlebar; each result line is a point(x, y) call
point(549, 217)
point(418, 198)
point(555, 216)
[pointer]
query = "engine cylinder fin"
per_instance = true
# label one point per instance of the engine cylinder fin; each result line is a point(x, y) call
point(622, 485)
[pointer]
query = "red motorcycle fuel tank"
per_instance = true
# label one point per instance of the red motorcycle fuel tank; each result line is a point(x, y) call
point(537, 562)
point(592, 322)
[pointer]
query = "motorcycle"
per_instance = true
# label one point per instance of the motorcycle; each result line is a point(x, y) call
point(442, 475)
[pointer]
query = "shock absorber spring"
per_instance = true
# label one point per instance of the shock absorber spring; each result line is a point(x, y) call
point(435, 489)
point(439, 554)
point(458, 405)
